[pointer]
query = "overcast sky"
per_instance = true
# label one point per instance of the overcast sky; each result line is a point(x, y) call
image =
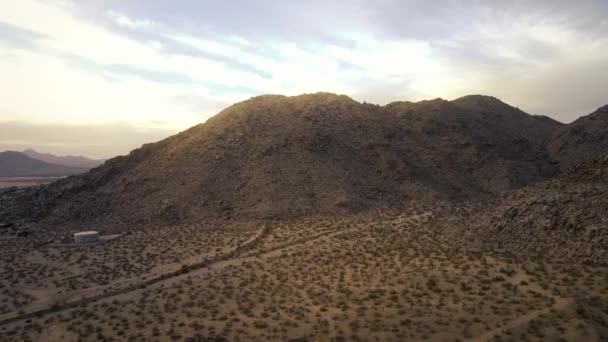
point(100, 78)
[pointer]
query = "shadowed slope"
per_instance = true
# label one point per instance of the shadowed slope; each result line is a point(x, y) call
point(277, 156)
point(565, 218)
point(582, 140)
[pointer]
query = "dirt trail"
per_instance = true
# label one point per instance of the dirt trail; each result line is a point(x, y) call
point(176, 273)
point(85, 296)
point(559, 305)
point(238, 255)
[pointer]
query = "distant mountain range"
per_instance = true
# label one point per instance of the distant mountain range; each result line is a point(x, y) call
point(33, 164)
point(72, 161)
point(18, 164)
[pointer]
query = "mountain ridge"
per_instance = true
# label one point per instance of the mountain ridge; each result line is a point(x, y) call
point(18, 164)
point(68, 160)
point(562, 218)
point(275, 156)
point(582, 139)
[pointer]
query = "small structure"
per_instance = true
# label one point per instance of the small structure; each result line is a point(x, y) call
point(84, 239)
point(88, 237)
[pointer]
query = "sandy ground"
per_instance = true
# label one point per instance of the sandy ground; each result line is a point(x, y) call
point(371, 277)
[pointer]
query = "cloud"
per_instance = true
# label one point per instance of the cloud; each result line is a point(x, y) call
point(18, 37)
point(536, 63)
point(200, 104)
point(122, 20)
point(230, 55)
point(147, 62)
point(65, 94)
point(559, 90)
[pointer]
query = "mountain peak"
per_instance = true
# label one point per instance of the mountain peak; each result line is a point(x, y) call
point(479, 97)
point(480, 100)
point(318, 96)
point(603, 109)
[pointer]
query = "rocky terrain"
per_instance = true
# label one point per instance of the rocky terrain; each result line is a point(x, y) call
point(277, 157)
point(581, 140)
point(377, 275)
point(316, 217)
point(564, 218)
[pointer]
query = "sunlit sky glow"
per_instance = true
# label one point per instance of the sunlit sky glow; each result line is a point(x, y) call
point(100, 78)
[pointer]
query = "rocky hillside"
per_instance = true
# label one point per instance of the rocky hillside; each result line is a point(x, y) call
point(565, 218)
point(478, 142)
point(581, 140)
point(17, 164)
point(277, 156)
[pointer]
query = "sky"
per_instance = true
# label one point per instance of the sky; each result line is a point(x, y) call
point(101, 77)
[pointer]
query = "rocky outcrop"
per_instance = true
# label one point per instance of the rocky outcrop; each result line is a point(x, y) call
point(564, 218)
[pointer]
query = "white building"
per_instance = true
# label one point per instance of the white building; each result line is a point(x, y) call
point(87, 237)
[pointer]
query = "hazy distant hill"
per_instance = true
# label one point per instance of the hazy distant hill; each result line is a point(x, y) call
point(17, 164)
point(72, 161)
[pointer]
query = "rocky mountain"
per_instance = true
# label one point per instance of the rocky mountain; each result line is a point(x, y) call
point(581, 140)
point(17, 164)
point(72, 161)
point(277, 156)
point(563, 218)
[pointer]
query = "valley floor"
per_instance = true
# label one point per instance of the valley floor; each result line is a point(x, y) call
point(372, 277)
point(24, 182)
